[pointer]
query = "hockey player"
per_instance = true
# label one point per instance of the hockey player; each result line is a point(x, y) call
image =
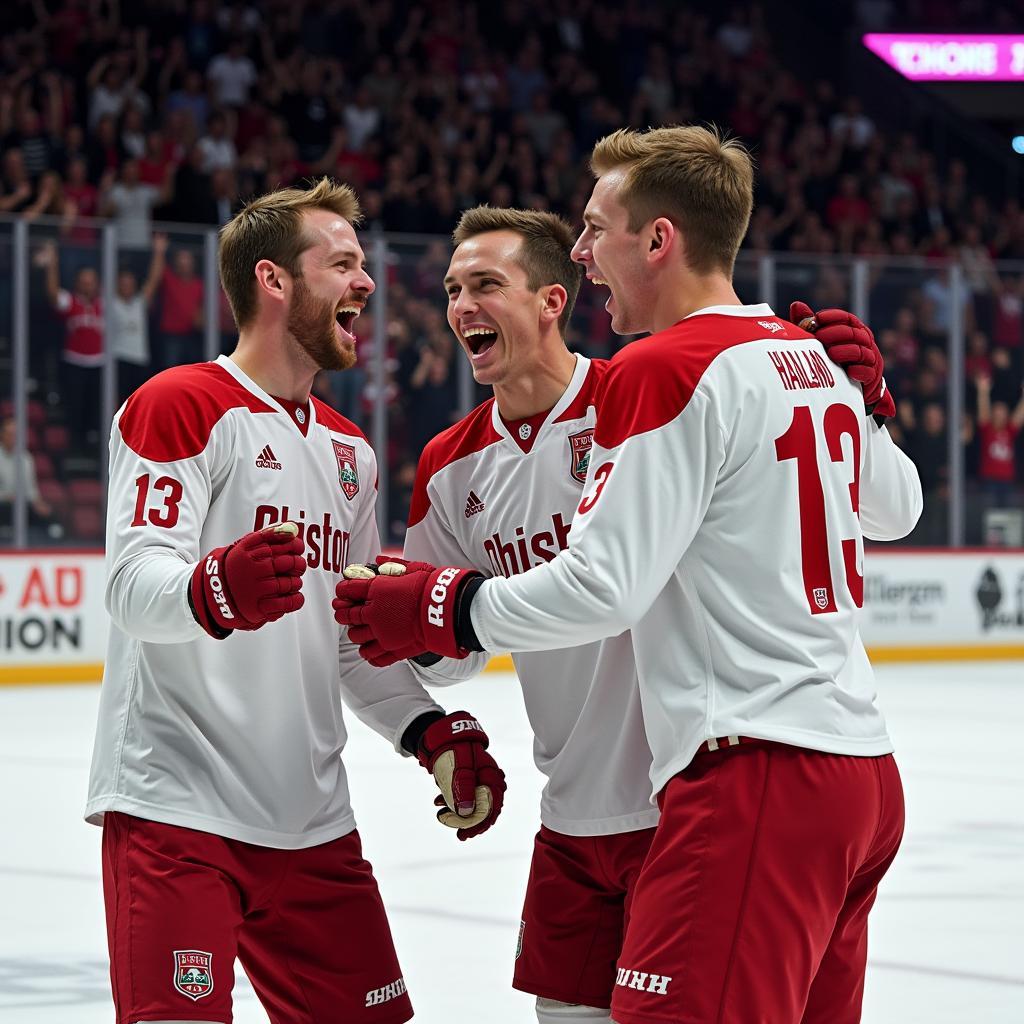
point(498, 491)
point(217, 771)
point(732, 478)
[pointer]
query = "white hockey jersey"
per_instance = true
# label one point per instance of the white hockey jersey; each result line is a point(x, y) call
point(239, 737)
point(732, 479)
point(484, 499)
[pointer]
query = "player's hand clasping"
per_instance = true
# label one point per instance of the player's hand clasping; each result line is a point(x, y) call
point(848, 341)
point(249, 583)
point(392, 618)
point(454, 751)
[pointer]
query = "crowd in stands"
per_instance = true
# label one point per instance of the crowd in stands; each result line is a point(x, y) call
point(177, 111)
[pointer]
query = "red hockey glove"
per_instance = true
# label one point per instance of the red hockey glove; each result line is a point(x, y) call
point(396, 617)
point(249, 583)
point(454, 751)
point(848, 342)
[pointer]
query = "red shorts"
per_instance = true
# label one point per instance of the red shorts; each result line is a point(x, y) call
point(752, 904)
point(308, 926)
point(577, 904)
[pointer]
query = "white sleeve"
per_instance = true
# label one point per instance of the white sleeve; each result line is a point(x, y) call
point(155, 517)
point(644, 499)
point(387, 700)
point(432, 539)
point(890, 488)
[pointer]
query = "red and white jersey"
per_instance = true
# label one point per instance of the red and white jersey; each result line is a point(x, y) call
point(732, 480)
point(240, 737)
point(503, 505)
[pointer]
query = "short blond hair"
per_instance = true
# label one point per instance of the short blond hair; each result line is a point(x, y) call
point(696, 177)
point(545, 254)
point(270, 228)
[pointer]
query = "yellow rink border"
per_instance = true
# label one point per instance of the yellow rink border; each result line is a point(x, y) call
point(92, 672)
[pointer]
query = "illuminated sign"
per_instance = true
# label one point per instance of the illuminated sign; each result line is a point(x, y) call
point(951, 58)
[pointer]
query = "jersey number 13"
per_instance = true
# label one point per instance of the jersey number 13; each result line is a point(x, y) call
point(799, 442)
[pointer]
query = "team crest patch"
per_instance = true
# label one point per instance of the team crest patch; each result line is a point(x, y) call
point(821, 597)
point(519, 944)
point(193, 973)
point(347, 475)
point(579, 454)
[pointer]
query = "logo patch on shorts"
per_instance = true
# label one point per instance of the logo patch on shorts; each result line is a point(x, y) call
point(519, 944)
point(193, 973)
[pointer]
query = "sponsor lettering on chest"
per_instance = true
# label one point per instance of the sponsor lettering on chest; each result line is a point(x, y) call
point(326, 543)
point(510, 556)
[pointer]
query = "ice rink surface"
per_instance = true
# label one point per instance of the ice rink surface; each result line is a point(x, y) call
point(947, 938)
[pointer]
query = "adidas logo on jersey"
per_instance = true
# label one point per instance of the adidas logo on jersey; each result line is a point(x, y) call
point(473, 504)
point(267, 459)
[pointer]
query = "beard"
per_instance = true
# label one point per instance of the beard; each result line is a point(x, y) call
point(311, 323)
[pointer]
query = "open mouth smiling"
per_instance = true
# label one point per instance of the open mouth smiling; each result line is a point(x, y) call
point(346, 318)
point(480, 339)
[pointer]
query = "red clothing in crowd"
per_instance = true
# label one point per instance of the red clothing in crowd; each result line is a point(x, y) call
point(1009, 315)
point(83, 343)
point(86, 200)
point(997, 452)
point(182, 300)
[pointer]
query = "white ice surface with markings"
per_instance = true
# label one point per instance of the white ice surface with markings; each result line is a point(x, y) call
point(947, 935)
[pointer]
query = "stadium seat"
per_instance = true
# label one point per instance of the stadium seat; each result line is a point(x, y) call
point(86, 522)
point(56, 438)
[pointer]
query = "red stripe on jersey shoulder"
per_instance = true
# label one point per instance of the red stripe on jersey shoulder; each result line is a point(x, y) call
point(471, 434)
point(333, 420)
point(651, 381)
point(173, 414)
point(587, 395)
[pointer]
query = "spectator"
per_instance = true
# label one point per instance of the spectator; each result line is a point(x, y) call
point(928, 446)
point(49, 201)
point(223, 196)
point(998, 429)
point(232, 74)
point(308, 110)
point(17, 186)
point(190, 99)
point(181, 310)
point(1008, 319)
point(130, 203)
point(158, 160)
point(82, 312)
point(848, 207)
point(39, 148)
point(526, 77)
point(115, 79)
point(133, 133)
point(433, 399)
point(103, 150)
point(362, 120)
point(129, 326)
point(977, 364)
point(216, 146)
point(852, 127)
point(40, 512)
point(82, 198)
